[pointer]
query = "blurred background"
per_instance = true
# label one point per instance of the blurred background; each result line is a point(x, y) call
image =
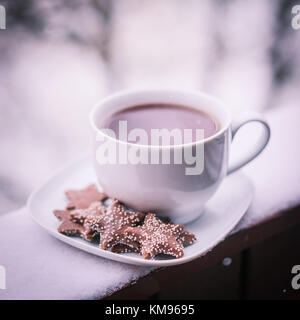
point(58, 57)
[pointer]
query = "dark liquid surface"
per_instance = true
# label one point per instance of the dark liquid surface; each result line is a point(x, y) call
point(162, 116)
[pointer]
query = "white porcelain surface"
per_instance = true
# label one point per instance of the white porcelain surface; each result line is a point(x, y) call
point(222, 212)
point(167, 189)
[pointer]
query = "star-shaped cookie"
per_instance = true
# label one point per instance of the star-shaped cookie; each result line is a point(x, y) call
point(81, 199)
point(70, 228)
point(80, 215)
point(111, 224)
point(186, 238)
point(156, 237)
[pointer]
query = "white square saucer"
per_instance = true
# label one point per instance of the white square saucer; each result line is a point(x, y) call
point(223, 211)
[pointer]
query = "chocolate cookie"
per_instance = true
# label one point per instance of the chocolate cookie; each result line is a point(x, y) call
point(120, 230)
point(156, 237)
point(95, 209)
point(186, 238)
point(70, 228)
point(111, 224)
point(81, 199)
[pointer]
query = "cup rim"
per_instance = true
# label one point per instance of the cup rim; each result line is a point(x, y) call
point(122, 93)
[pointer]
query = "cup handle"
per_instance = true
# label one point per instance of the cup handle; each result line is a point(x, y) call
point(262, 141)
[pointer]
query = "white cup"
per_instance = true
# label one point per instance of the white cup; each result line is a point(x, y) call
point(166, 189)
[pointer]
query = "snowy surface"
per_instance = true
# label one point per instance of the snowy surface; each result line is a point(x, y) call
point(41, 267)
point(276, 172)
